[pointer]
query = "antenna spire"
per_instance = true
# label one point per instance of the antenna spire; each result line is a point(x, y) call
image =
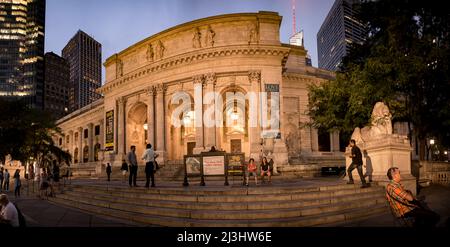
point(294, 29)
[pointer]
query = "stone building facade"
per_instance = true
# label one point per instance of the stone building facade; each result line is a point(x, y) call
point(228, 55)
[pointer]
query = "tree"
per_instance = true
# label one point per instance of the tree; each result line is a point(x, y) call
point(403, 62)
point(26, 134)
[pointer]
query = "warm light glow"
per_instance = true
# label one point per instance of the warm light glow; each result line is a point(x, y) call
point(145, 126)
point(431, 141)
point(445, 152)
point(234, 115)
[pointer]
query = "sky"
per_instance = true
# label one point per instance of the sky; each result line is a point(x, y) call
point(118, 24)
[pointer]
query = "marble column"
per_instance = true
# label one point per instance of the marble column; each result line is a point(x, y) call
point(80, 145)
point(254, 114)
point(71, 144)
point(121, 127)
point(160, 117)
point(102, 134)
point(198, 109)
point(151, 115)
point(210, 111)
point(91, 141)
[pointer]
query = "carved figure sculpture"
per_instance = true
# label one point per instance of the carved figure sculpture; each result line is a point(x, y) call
point(210, 34)
point(196, 39)
point(150, 53)
point(381, 125)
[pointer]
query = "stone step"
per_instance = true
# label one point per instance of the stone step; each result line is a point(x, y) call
point(220, 206)
point(325, 218)
point(224, 196)
point(230, 214)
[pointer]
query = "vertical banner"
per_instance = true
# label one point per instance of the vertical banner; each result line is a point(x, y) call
point(272, 111)
point(109, 131)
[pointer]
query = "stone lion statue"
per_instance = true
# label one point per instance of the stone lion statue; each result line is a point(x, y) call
point(380, 125)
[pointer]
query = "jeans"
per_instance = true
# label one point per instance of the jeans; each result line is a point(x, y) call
point(133, 175)
point(6, 185)
point(150, 174)
point(423, 217)
point(359, 168)
point(17, 191)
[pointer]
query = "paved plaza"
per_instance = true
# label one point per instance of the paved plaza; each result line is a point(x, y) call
point(44, 213)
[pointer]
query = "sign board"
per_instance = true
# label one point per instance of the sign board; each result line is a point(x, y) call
point(109, 131)
point(235, 164)
point(272, 87)
point(193, 166)
point(213, 165)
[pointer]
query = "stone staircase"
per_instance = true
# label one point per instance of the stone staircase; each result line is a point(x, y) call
point(261, 206)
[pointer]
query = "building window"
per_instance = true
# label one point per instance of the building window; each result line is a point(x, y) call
point(86, 133)
point(97, 130)
point(85, 154)
point(75, 156)
point(324, 141)
point(96, 150)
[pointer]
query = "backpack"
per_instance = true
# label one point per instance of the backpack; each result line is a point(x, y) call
point(22, 221)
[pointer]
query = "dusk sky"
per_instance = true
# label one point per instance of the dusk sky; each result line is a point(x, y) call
point(118, 24)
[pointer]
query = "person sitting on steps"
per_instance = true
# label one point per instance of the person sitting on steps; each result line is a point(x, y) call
point(265, 170)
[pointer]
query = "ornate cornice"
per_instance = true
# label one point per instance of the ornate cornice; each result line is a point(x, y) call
point(150, 91)
point(195, 56)
point(254, 76)
point(161, 88)
point(210, 79)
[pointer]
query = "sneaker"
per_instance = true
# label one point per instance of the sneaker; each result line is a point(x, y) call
point(153, 185)
point(365, 186)
point(350, 182)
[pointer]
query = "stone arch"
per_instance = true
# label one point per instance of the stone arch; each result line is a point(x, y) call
point(135, 133)
point(75, 155)
point(97, 148)
point(86, 154)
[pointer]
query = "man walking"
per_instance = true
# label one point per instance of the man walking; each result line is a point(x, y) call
point(108, 171)
point(149, 158)
point(356, 163)
point(132, 162)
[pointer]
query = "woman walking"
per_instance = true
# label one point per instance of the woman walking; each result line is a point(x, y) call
point(17, 183)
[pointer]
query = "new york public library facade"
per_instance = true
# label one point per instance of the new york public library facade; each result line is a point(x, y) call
point(229, 72)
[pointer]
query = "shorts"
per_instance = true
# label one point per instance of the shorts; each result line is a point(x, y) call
point(266, 172)
point(249, 173)
point(124, 172)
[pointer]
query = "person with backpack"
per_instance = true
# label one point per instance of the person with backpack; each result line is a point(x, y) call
point(17, 183)
point(6, 182)
point(9, 215)
point(124, 170)
point(108, 171)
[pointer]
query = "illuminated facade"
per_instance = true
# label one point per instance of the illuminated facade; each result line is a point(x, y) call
point(22, 31)
point(84, 55)
point(217, 82)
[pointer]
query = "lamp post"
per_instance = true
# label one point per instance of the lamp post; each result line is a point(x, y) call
point(431, 148)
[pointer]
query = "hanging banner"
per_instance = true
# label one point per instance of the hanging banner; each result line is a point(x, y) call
point(109, 131)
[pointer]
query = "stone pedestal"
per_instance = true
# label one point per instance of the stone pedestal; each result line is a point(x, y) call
point(280, 153)
point(383, 153)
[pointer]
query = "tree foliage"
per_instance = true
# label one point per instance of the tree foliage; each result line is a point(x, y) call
point(404, 62)
point(26, 134)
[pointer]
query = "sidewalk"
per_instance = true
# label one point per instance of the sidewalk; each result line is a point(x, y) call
point(42, 213)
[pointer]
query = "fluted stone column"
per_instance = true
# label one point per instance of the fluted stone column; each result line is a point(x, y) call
point(198, 99)
point(102, 134)
point(71, 144)
point(255, 114)
point(91, 141)
point(210, 131)
point(80, 145)
point(121, 127)
point(151, 115)
point(160, 123)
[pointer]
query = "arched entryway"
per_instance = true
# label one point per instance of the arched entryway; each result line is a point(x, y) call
point(137, 128)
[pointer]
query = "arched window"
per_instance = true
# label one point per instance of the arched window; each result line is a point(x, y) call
point(85, 154)
point(75, 156)
point(96, 150)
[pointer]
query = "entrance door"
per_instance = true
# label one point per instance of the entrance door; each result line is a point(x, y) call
point(236, 146)
point(190, 148)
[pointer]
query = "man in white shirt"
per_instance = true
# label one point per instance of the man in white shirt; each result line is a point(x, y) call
point(149, 158)
point(9, 213)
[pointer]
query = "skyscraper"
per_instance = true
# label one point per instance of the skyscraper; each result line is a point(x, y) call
point(339, 30)
point(84, 55)
point(22, 31)
point(56, 93)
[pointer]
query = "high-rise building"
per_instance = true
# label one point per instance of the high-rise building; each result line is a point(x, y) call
point(340, 29)
point(22, 31)
point(56, 93)
point(84, 55)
